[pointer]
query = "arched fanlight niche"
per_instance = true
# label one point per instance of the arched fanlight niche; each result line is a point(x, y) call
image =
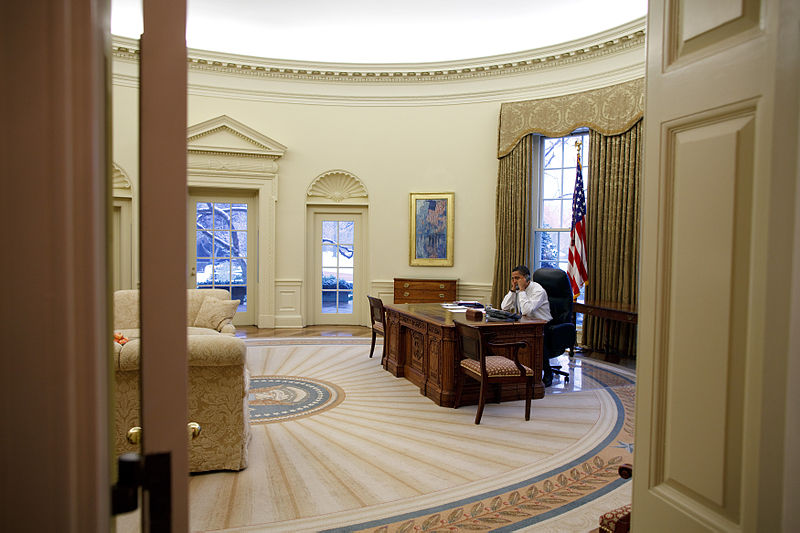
point(337, 187)
point(121, 183)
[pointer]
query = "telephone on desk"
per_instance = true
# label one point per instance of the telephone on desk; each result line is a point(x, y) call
point(498, 315)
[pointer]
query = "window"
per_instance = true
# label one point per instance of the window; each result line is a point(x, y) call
point(221, 240)
point(553, 185)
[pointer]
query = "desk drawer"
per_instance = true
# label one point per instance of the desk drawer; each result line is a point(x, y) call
point(420, 295)
point(409, 290)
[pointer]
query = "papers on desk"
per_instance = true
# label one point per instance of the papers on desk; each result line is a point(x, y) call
point(454, 308)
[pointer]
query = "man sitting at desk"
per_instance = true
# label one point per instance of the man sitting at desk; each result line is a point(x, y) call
point(528, 298)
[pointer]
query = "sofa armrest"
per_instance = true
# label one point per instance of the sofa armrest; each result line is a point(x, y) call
point(227, 329)
point(203, 350)
point(215, 350)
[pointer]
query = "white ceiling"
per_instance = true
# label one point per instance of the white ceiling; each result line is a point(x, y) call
point(375, 31)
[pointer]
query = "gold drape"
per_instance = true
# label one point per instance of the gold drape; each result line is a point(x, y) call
point(512, 216)
point(612, 234)
point(609, 110)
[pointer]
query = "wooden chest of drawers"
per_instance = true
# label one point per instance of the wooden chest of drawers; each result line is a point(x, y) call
point(421, 290)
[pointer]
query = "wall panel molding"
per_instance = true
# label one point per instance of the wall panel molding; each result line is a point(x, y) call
point(289, 303)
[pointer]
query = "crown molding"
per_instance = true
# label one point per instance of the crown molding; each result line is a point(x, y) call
point(616, 40)
point(518, 92)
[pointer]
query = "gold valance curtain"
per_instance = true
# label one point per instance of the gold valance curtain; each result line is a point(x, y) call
point(512, 216)
point(609, 110)
point(612, 234)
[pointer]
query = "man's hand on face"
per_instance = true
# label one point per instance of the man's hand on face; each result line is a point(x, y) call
point(518, 281)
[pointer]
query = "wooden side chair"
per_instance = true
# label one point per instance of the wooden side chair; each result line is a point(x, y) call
point(481, 363)
point(378, 317)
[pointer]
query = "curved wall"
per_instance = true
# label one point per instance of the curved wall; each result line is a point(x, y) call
point(400, 129)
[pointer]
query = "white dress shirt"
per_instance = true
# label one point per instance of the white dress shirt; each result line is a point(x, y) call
point(532, 301)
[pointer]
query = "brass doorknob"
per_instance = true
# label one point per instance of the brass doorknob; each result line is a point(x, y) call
point(194, 429)
point(134, 435)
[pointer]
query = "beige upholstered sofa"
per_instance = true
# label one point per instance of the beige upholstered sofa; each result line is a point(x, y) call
point(218, 379)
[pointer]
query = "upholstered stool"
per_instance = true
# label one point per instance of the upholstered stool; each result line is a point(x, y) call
point(616, 521)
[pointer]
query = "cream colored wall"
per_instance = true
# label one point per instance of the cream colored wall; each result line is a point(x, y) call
point(397, 138)
point(394, 151)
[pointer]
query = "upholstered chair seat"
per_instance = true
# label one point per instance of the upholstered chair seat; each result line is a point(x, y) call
point(496, 365)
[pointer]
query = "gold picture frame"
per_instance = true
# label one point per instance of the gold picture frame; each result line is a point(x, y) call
point(431, 222)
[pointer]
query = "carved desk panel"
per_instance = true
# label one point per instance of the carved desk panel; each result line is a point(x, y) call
point(421, 347)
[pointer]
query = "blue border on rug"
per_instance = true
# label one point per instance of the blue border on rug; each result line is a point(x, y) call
point(503, 490)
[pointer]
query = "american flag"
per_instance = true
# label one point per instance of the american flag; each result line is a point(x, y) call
point(577, 269)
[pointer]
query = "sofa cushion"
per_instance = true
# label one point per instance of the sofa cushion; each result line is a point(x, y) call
point(215, 313)
point(196, 297)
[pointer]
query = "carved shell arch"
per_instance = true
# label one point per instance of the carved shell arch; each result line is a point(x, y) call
point(337, 186)
point(120, 181)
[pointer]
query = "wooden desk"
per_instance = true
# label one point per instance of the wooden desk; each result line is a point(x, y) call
point(612, 311)
point(421, 347)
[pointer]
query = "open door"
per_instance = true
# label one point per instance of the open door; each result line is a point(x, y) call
point(718, 203)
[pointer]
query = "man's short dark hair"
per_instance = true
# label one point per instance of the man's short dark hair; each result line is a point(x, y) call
point(522, 269)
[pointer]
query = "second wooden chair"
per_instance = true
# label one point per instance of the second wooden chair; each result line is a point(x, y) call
point(378, 319)
point(481, 363)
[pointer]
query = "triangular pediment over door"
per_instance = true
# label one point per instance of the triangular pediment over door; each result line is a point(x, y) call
point(229, 158)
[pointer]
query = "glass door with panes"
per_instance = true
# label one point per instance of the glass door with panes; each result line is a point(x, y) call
point(222, 249)
point(337, 268)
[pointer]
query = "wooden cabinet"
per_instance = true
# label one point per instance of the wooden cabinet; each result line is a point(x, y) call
point(421, 290)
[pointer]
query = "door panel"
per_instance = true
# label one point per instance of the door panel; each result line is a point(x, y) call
point(712, 329)
point(222, 248)
point(337, 250)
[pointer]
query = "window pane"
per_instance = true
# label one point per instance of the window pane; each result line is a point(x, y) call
point(346, 256)
point(240, 293)
point(239, 244)
point(239, 217)
point(222, 272)
point(563, 249)
point(566, 214)
point(329, 301)
point(345, 278)
point(329, 253)
point(222, 244)
point(549, 247)
point(239, 271)
point(552, 153)
point(222, 216)
point(329, 231)
point(346, 228)
point(551, 185)
point(204, 271)
point(346, 302)
point(203, 244)
point(569, 182)
point(329, 278)
point(551, 213)
point(204, 218)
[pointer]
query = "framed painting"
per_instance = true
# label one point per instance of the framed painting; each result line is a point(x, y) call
point(431, 239)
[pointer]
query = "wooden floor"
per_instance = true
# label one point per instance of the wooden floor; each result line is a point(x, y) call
point(252, 332)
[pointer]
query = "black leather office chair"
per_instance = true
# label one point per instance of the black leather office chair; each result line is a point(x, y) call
point(559, 333)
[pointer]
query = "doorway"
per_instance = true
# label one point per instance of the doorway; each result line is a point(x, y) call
point(222, 247)
point(336, 279)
